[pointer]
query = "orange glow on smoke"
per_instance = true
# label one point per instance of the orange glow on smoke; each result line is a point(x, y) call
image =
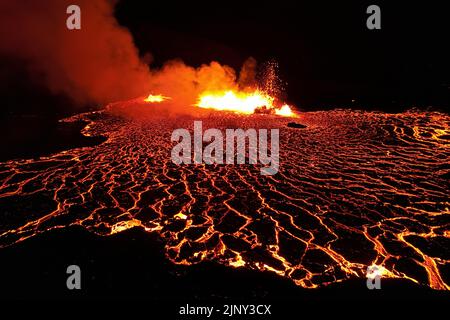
point(243, 102)
point(156, 98)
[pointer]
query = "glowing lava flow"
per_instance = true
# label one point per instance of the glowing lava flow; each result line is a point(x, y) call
point(354, 189)
point(156, 98)
point(243, 102)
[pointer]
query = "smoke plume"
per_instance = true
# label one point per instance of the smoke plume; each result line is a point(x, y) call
point(98, 63)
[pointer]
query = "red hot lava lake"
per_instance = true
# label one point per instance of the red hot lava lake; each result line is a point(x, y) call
point(354, 189)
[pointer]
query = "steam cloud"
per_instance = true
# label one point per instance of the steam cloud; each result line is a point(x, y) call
point(99, 63)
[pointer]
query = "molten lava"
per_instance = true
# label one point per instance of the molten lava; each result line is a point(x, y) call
point(285, 111)
point(156, 98)
point(354, 189)
point(243, 102)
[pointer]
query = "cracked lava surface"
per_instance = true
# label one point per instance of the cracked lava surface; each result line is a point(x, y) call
point(354, 189)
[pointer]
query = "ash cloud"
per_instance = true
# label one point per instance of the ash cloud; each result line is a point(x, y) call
point(100, 63)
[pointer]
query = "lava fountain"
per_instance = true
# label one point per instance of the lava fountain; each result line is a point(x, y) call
point(244, 103)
